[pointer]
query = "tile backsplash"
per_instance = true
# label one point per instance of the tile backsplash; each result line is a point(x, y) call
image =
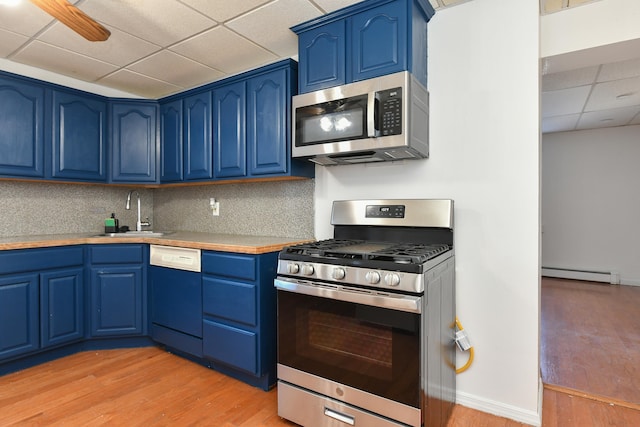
point(265, 209)
point(282, 209)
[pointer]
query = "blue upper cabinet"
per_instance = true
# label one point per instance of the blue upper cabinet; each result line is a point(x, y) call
point(322, 52)
point(79, 146)
point(197, 136)
point(134, 140)
point(365, 40)
point(229, 140)
point(379, 42)
point(171, 162)
point(22, 128)
point(268, 133)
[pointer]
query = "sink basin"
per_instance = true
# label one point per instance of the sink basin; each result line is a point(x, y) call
point(144, 233)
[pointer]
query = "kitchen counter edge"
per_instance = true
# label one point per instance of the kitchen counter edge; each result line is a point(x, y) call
point(196, 240)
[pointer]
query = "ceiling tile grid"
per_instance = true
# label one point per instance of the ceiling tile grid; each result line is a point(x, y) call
point(603, 95)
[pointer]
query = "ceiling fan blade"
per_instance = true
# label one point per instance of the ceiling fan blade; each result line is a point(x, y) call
point(74, 18)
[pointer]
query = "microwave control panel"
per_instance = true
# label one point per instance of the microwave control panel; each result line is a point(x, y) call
point(390, 111)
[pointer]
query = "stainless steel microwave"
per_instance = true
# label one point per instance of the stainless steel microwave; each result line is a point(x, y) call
point(381, 119)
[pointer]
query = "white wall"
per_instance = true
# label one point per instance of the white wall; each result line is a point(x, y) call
point(483, 80)
point(591, 202)
point(605, 22)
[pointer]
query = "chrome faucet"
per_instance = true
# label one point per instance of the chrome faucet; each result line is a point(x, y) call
point(139, 223)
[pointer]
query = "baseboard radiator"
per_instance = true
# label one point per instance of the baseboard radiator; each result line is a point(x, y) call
point(592, 276)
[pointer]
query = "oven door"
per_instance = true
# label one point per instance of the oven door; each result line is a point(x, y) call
point(365, 340)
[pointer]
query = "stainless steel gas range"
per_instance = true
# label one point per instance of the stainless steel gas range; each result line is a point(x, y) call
point(366, 319)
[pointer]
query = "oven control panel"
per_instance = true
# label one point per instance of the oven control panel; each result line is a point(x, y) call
point(349, 275)
point(385, 211)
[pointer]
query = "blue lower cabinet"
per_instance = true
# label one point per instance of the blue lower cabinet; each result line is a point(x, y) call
point(41, 299)
point(61, 305)
point(116, 301)
point(118, 275)
point(19, 329)
point(239, 315)
point(233, 346)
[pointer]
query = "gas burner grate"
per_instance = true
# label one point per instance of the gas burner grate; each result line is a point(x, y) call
point(320, 247)
point(399, 253)
point(409, 253)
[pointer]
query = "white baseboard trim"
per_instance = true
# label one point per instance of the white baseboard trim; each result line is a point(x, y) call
point(500, 409)
point(592, 276)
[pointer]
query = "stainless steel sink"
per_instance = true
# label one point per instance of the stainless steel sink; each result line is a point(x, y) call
point(144, 233)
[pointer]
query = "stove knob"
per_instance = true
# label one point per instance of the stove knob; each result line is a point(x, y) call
point(293, 268)
point(338, 273)
point(392, 279)
point(307, 269)
point(372, 277)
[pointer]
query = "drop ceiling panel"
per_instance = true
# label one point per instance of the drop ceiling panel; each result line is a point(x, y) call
point(560, 123)
point(567, 79)
point(564, 101)
point(9, 42)
point(161, 22)
point(61, 61)
point(635, 120)
point(332, 5)
point(224, 50)
point(183, 72)
point(280, 16)
point(614, 94)
point(620, 70)
point(13, 18)
point(222, 11)
point(132, 82)
point(120, 49)
point(600, 119)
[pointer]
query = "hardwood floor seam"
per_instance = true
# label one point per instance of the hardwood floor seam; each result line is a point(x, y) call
point(591, 396)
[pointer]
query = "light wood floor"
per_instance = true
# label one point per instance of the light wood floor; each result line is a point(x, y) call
point(590, 339)
point(150, 387)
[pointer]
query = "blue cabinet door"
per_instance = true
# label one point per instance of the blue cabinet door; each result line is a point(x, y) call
point(134, 142)
point(21, 128)
point(79, 137)
point(379, 41)
point(171, 141)
point(197, 137)
point(116, 301)
point(322, 53)
point(229, 141)
point(268, 113)
point(19, 309)
point(61, 305)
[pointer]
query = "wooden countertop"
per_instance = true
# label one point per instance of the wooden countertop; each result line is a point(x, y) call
point(184, 239)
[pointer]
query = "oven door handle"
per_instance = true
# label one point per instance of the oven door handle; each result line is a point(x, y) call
point(408, 303)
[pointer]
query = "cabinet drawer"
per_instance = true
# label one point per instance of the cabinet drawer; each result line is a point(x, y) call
point(230, 265)
point(22, 260)
point(116, 254)
point(230, 300)
point(229, 345)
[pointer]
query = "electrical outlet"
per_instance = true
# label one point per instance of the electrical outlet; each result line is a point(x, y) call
point(215, 207)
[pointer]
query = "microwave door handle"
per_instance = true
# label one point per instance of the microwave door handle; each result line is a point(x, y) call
point(373, 118)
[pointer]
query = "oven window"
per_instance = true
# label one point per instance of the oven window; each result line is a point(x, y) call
point(369, 348)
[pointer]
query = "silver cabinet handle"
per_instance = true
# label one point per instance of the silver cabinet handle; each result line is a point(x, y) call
point(347, 419)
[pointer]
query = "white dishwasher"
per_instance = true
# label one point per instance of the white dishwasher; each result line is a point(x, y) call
point(176, 298)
